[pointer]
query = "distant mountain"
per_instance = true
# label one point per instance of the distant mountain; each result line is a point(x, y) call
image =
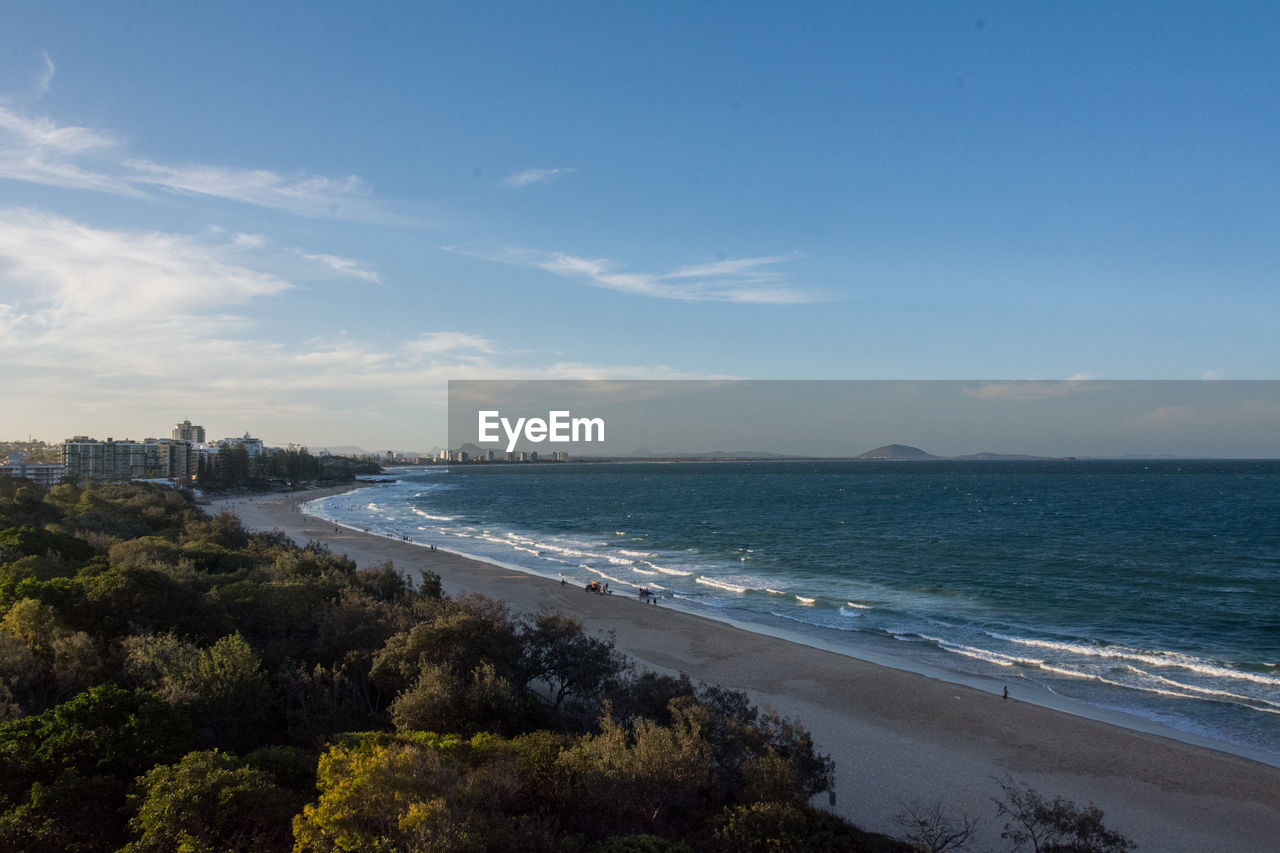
point(646, 453)
point(897, 451)
point(988, 455)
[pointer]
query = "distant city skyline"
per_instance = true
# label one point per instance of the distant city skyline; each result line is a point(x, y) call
point(302, 222)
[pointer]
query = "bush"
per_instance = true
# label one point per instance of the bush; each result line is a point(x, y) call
point(210, 801)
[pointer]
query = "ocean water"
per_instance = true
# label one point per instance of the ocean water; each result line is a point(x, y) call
point(1146, 587)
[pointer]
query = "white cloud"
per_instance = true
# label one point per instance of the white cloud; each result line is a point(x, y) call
point(37, 150)
point(533, 176)
point(735, 280)
point(103, 329)
point(346, 267)
point(442, 342)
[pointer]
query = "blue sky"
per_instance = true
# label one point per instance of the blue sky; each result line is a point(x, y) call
point(301, 220)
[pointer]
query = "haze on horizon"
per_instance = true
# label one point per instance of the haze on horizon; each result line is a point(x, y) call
point(301, 222)
point(1081, 418)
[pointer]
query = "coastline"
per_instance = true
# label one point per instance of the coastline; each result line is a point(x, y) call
point(896, 736)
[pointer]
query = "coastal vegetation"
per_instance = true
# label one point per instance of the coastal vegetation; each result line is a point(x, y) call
point(169, 681)
point(278, 467)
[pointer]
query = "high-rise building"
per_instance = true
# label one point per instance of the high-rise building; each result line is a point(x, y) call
point(187, 431)
point(42, 473)
point(97, 461)
point(252, 446)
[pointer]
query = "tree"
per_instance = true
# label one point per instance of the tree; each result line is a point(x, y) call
point(210, 801)
point(649, 779)
point(104, 731)
point(560, 653)
point(461, 634)
point(222, 686)
point(771, 755)
point(1059, 826)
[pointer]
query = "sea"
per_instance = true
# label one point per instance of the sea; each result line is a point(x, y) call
point(1143, 590)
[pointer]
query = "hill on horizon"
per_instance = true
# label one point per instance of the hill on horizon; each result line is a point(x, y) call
point(897, 451)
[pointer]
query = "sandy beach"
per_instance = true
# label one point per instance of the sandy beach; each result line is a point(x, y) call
point(895, 736)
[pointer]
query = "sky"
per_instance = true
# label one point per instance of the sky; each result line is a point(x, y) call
point(302, 220)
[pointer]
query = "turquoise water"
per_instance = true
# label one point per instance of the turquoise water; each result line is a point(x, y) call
point(1151, 588)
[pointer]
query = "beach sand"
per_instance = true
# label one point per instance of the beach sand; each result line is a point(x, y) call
point(895, 736)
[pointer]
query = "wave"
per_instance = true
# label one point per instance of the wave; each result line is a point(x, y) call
point(1176, 660)
point(431, 517)
point(609, 578)
point(1170, 688)
point(677, 572)
point(808, 602)
point(722, 585)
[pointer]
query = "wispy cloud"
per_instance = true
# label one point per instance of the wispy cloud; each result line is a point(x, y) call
point(744, 280)
point(103, 328)
point(346, 266)
point(533, 176)
point(1032, 389)
point(38, 150)
point(312, 196)
point(45, 80)
point(438, 342)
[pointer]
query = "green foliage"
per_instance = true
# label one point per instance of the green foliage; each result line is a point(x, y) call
point(42, 662)
point(1057, 826)
point(215, 558)
point(211, 801)
point(462, 635)
point(72, 814)
point(787, 827)
point(28, 540)
point(774, 757)
point(558, 652)
point(104, 731)
point(141, 600)
point(223, 530)
point(651, 778)
point(442, 701)
point(223, 687)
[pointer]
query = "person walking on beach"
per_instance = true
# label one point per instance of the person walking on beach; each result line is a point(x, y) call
point(1006, 694)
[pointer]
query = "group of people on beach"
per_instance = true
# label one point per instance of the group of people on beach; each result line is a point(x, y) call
point(603, 589)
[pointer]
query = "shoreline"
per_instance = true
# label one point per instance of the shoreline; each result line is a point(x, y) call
point(897, 735)
point(813, 637)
